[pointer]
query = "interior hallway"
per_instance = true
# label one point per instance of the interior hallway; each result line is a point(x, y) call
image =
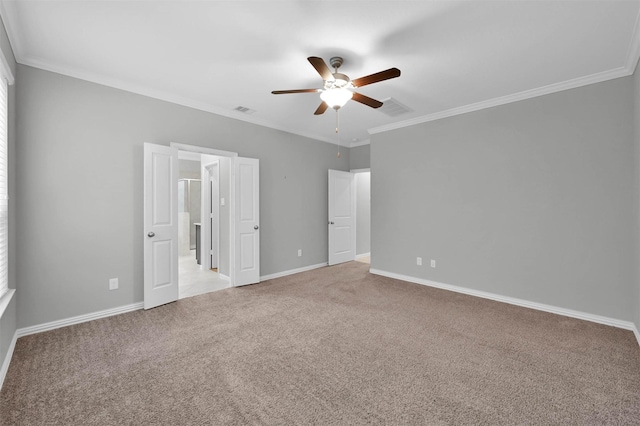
point(193, 280)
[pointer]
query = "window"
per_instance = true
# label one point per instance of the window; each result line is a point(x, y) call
point(4, 187)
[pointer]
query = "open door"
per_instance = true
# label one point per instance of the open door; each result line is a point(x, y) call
point(160, 225)
point(342, 217)
point(247, 221)
point(214, 208)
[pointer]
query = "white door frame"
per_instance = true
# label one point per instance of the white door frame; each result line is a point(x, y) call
point(210, 174)
point(232, 197)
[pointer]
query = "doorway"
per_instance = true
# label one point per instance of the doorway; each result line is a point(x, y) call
point(199, 268)
point(363, 215)
point(349, 216)
point(160, 218)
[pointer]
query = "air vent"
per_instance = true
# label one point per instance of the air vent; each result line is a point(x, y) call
point(244, 110)
point(393, 108)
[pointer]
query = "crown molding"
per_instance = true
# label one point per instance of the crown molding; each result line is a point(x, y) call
point(167, 97)
point(360, 143)
point(6, 10)
point(633, 55)
point(490, 103)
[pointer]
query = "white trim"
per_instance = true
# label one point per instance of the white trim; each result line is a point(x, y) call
point(292, 271)
point(78, 319)
point(360, 143)
point(13, 36)
point(5, 299)
point(206, 214)
point(200, 150)
point(203, 106)
point(58, 324)
point(7, 359)
point(232, 193)
point(360, 170)
point(223, 276)
point(627, 325)
point(633, 55)
point(527, 94)
point(637, 333)
point(169, 97)
point(189, 155)
point(363, 255)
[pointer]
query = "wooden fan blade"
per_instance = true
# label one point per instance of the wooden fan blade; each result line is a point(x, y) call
point(374, 78)
point(321, 67)
point(321, 109)
point(284, 92)
point(366, 100)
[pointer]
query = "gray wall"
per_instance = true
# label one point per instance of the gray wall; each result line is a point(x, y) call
point(363, 212)
point(73, 241)
point(360, 157)
point(532, 200)
point(8, 318)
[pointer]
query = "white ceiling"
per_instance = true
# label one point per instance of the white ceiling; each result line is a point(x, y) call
point(455, 56)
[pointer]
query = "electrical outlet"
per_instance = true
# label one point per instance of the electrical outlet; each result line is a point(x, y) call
point(433, 263)
point(419, 261)
point(113, 284)
point(299, 252)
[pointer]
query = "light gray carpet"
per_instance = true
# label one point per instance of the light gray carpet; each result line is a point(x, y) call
point(331, 346)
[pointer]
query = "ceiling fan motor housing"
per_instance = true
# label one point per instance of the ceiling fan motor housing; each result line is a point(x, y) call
point(336, 62)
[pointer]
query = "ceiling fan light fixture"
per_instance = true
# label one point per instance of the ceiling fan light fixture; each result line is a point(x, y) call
point(339, 80)
point(336, 98)
point(338, 88)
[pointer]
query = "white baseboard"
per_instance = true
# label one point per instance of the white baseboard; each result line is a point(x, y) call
point(360, 256)
point(292, 271)
point(7, 359)
point(637, 333)
point(78, 319)
point(57, 324)
point(224, 276)
point(627, 325)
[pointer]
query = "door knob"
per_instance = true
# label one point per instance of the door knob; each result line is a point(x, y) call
point(255, 227)
point(151, 234)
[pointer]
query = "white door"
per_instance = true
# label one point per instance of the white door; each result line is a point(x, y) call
point(247, 221)
point(160, 225)
point(215, 213)
point(342, 217)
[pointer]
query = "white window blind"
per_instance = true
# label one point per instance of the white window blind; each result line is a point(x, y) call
point(4, 189)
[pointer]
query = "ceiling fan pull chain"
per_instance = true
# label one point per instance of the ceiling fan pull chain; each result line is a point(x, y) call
point(337, 122)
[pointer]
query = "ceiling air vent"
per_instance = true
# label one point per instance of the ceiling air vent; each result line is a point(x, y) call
point(393, 108)
point(244, 110)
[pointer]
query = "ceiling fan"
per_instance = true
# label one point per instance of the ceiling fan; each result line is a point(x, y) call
point(338, 87)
